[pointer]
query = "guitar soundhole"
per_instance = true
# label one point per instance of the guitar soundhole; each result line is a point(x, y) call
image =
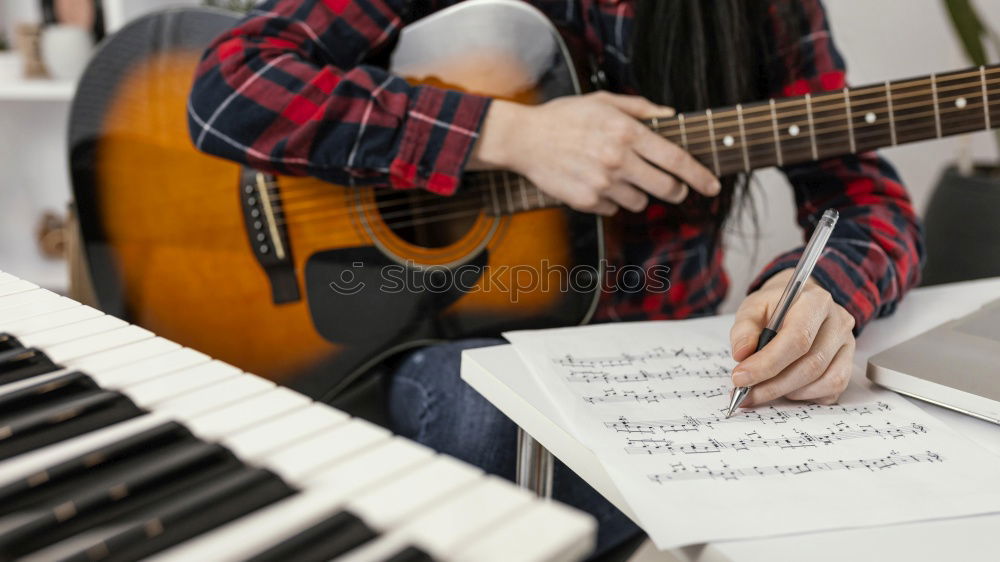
point(425, 219)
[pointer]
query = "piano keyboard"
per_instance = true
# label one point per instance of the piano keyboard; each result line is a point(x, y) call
point(116, 444)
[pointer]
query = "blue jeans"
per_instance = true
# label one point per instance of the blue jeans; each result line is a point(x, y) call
point(429, 403)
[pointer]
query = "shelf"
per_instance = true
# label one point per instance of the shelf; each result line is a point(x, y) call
point(36, 90)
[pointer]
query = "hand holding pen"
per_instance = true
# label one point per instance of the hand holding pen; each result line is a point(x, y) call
point(809, 341)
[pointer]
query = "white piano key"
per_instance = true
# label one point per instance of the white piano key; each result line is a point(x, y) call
point(450, 525)
point(298, 460)
point(55, 336)
point(46, 305)
point(394, 502)
point(283, 431)
point(245, 413)
point(125, 355)
point(150, 368)
point(68, 351)
point(544, 532)
point(27, 297)
point(258, 531)
point(358, 472)
point(5, 277)
point(149, 392)
point(208, 399)
point(14, 287)
point(25, 327)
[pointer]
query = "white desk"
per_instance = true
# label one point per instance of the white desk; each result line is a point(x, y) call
point(498, 374)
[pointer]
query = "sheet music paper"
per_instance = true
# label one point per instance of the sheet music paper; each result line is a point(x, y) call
point(650, 399)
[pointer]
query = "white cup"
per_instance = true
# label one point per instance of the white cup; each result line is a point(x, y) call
point(66, 50)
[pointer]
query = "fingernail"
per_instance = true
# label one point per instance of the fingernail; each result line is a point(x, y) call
point(668, 111)
point(716, 187)
point(741, 377)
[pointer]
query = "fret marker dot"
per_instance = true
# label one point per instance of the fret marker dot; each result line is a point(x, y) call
point(870, 118)
point(961, 103)
point(728, 140)
point(794, 130)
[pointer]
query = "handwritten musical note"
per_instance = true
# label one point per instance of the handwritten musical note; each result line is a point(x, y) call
point(649, 400)
point(680, 472)
point(840, 432)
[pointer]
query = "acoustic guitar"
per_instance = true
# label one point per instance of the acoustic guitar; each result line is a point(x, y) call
point(311, 284)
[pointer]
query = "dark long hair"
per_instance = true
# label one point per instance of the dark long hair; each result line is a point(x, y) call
point(696, 54)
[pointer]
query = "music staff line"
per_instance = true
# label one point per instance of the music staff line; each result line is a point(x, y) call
point(768, 415)
point(801, 439)
point(642, 375)
point(630, 359)
point(680, 472)
point(650, 396)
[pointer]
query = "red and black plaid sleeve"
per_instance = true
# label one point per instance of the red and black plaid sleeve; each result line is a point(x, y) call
point(876, 251)
point(288, 90)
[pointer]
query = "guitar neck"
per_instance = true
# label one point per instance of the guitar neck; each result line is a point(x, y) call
point(801, 129)
point(815, 127)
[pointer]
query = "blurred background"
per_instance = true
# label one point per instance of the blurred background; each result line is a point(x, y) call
point(883, 39)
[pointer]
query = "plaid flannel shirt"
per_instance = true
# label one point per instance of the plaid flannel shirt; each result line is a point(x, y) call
point(300, 87)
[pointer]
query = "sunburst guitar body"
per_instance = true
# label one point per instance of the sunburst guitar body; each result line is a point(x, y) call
point(299, 280)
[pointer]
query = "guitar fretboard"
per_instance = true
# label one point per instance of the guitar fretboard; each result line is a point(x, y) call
point(803, 129)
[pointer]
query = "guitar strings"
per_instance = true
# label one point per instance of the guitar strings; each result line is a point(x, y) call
point(472, 187)
point(835, 101)
point(752, 144)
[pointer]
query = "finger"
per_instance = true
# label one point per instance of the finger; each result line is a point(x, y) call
point(637, 106)
point(750, 320)
point(652, 180)
point(832, 336)
point(627, 196)
point(834, 380)
point(605, 208)
point(672, 158)
point(794, 339)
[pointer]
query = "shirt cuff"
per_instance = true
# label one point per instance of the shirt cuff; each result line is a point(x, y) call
point(440, 130)
point(844, 280)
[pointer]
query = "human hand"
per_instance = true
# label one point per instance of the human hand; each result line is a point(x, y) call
point(591, 152)
point(810, 358)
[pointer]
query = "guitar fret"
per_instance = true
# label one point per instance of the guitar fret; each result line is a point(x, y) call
point(850, 120)
point(812, 127)
point(711, 140)
point(510, 197)
point(937, 107)
point(777, 135)
point(892, 113)
point(524, 194)
point(743, 137)
point(493, 192)
point(986, 97)
point(541, 198)
point(684, 137)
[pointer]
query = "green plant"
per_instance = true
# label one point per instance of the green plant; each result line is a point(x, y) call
point(242, 6)
point(974, 33)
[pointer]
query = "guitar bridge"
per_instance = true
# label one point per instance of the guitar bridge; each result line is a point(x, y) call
point(259, 199)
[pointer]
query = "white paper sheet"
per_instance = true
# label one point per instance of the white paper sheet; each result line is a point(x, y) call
point(650, 398)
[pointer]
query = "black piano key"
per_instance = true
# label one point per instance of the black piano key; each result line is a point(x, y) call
point(67, 473)
point(410, 554)
point(331, 537)
point(21, 363)
point(117, 485)
point(62, 420)
point(179, 484)
point(8, 342)
point(193, 513)
point(43, 393)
